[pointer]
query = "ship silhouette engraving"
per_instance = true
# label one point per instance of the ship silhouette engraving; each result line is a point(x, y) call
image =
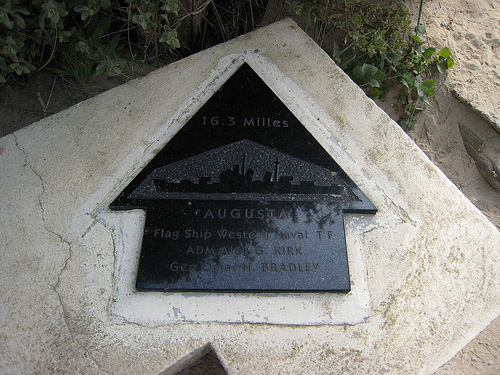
point(244, 170)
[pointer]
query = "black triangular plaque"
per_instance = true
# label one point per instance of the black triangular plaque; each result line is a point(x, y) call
point(243, 198)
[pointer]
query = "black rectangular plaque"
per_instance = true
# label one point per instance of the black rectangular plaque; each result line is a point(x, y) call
point(243, 198)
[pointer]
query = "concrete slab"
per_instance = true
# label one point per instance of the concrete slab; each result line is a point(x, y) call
point(425, 275)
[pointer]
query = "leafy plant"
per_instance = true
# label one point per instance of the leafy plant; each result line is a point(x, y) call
point(158, 26)
point(412, 69)
point(81, 38)
point(374, 43)
point(372, 40)
point(14, 57)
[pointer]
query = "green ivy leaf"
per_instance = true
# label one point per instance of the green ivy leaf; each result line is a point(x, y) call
point(364, 73)
point(406, 80)
point(415, 37)
point(428, 87)
point(6, 21)
point(175, 43)
point(18, 68)
point(101, 68)
point(170, 37)
point(21, 10)
point(83, 47)
point(54, 11)
point(64, 36)
point(379, 76)
point(85, 12)
point(440, 67)
point(142, 19)
point(450, 62)
point(445, 52)
point(417, 34)
point(420, 30)
point(19, 21)
point(172, 6)
point(373, 93)
point(428, 53)
point(336, 52)
point(425, 89)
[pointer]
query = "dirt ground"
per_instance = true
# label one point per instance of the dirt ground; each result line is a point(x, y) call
point(469, 28)
point(45, 93)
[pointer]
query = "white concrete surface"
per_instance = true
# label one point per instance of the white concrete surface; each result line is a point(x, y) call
point(426, 276)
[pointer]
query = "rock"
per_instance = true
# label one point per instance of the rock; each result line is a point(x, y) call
point(489, 161)
point(484, 148)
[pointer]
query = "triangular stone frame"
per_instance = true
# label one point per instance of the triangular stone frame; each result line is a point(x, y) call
point(322, 308)
point(323, 264)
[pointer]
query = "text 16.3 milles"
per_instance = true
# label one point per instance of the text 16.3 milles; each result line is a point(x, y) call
point(250, 121)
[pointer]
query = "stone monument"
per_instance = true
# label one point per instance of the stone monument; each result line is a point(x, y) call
point(248, 201)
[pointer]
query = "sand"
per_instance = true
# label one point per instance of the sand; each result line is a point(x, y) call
point(472, 30)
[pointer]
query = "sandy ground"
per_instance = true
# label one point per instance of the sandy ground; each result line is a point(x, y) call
point(472, 30)
point(437, 133)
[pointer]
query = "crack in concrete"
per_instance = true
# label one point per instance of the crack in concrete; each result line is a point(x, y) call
point(70, 254)
point(91, 225)
point(369, 230)
point(96, 218)
point(57, 235)
point(86, 352)
point(114, 285)
point(140, 325)
point(405, 216)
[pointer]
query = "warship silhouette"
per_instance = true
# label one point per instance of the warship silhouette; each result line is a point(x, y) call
point(239, 179)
